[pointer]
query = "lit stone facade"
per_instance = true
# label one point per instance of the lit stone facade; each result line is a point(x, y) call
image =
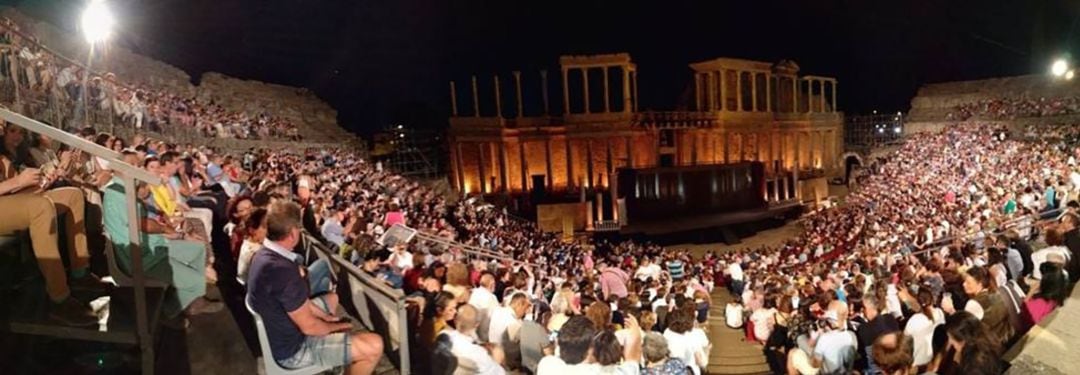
point(742, 110)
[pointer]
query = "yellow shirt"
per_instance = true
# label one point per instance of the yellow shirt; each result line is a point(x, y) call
point(163, 198)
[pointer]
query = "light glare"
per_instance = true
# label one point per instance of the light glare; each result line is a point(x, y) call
point(97, 22)
point(1059, 68)
point(1069, 74)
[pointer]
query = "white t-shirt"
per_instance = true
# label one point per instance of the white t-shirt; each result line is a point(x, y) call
point(472, 358)
point(402, 260)
point(684, 345)
point(483, 299)
point(1039, 257)
point(504, 324)
point(735, 271)
point(247, 252)
point(761, 323)
point(733, 315)
point(921, 330)
point(645, 272)
point(556, 366)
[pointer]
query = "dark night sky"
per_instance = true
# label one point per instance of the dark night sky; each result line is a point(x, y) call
point(380, 62)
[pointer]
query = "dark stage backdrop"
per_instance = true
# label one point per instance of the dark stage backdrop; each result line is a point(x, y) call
point(670, 192)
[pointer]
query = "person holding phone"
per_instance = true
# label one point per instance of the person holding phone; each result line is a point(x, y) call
point(30, 207)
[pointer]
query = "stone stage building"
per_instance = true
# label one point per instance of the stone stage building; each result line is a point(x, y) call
point(741, 110)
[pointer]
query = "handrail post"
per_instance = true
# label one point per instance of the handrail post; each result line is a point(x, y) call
point(142, 330)
point(403, 326)
point(15, 76)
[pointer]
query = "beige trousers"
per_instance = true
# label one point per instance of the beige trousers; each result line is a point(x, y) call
point(40, 212)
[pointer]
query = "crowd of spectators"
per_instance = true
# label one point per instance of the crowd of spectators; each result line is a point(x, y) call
point(869, 284)
point(216, 219)
point(947, 251)
point(936, 260)
point(61, 90)
point(1007, 108)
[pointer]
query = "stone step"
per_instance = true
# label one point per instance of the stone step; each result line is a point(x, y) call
point(736, 361)
point(730, 353)
point(738, 353)
point(738, 370)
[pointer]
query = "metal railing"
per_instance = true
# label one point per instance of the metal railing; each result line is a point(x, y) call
point(606, 226)
point(674, 119)
point(379, 307)
point(1012, 224)
point(129, 175)
point(173, 129)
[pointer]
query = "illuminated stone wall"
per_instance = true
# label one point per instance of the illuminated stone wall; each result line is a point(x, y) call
point(743, 110)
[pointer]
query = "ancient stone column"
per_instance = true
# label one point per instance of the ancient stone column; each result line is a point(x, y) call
point(547, 159)
point(610, 159)
point(626, 90)
point(524, 166)
point(727, 147)
point(768, 92)
point(722, 91)
point(453, 100)
point(475, 98)
point(460, 167)
point(607, 100)
point(502, 166)
point(569, 163)
point(693, 146)
point(544, 90)
point(498, 99)
point(738, 90)
point(834, 105)
point(565, 92)
point(697, 91)
point(753, 92)
point(517, 87)
point(794, 94)
point(585, 86)
point(589, 163)
point(480, 167)
point(822, 96)
point(636, 97)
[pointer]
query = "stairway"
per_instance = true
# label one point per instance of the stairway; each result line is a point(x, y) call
point(730, 353)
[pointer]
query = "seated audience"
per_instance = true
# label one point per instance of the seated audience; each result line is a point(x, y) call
point(304, 328)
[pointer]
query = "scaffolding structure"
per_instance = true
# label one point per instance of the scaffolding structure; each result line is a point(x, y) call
point(873, 129)
point(407, 151)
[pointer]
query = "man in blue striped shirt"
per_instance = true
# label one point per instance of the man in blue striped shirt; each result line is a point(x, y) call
point(675, 268)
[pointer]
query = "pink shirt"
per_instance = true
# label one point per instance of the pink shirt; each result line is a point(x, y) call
point(613, 282)
point(394, 217)
point(1038, 308)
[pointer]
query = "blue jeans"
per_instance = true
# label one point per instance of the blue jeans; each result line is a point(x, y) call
point(319, 277)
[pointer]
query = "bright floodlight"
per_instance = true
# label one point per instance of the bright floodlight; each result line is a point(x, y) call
point(1069, 74)
point(97, 21)
point(1059, 68)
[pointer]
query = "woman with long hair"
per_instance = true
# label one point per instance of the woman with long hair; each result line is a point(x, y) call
point(975, 351)
point(1049, 294)
point(920, 326)
point(443, 312)
point(986, 304)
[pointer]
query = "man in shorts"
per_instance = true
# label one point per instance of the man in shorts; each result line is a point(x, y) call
point(297, 307)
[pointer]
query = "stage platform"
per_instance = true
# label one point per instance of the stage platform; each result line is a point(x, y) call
point(699, 222)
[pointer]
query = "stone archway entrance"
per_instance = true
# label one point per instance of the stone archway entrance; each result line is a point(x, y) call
point(851, 161)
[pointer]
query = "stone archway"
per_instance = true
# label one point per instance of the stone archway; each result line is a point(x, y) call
point(849, 161)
